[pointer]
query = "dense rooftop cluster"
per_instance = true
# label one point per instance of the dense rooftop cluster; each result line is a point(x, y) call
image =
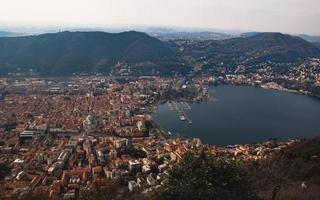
point(64, 137)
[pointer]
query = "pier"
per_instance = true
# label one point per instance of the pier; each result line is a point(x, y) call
point(180, 108)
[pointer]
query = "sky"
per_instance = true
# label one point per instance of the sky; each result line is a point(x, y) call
point(289, 16)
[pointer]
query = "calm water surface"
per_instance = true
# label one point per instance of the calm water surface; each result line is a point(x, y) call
point(240, 114)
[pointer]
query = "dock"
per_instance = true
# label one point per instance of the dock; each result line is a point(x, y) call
point(180, 108)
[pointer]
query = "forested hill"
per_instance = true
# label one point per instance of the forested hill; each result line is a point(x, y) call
point(67, 52)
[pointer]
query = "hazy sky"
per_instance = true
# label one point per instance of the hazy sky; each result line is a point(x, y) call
point(291, 16)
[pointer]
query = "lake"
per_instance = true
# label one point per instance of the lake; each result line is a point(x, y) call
point(243, 114)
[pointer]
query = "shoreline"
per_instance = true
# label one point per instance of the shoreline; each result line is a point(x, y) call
point(176, 135)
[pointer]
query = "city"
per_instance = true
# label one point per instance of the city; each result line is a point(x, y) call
point(159, 100)
point(64, 137)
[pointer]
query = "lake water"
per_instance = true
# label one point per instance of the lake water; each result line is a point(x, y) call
point(241, 114)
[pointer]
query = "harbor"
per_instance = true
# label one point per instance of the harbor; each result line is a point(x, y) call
point(180, 108)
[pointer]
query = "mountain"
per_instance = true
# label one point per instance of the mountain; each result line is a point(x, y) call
point(249, 34)
point(310, 38)
point(288, 168)
point(261, 47)
point(203, 35)
point(274, 47)
point(67, 52)
point(9, 34)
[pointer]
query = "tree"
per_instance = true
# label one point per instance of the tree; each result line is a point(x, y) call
point(281, 174)
point(4, 170)
point(102, 190)
point(201, 176)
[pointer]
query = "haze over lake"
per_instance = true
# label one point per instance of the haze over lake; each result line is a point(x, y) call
point(241, 114)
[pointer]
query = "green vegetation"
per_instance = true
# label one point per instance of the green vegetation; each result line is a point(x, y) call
point(68, 52)
point(293, 173)
point(4, 170)
point(200, 176)
point(252, 50)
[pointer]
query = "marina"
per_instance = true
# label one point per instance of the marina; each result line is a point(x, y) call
point(232, 118)
point(180, 108)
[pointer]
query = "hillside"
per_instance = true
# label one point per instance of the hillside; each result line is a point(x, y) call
point(282, 174)
point(68, 52)
point(250, 50)
point(273, 46)
point(203, 35)
point(310, 38)
point(290, 173)
point(9, 34)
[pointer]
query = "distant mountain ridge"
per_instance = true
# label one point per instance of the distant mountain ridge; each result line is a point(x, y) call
point(275, 46)
point(9, 34)
point(203, 35)
point(257, 48)
point(310, 38)
point(67, 52)
point(249, 34)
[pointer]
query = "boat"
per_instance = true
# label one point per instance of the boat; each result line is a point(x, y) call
point(182, 118)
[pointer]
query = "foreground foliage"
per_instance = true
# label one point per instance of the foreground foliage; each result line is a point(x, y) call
point(200, 176)
point(292, 173)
